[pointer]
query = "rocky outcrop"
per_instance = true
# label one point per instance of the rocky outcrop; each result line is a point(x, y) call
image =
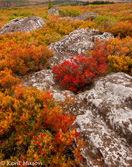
point(54, 11)
point(78, 41)
point(104, 112)
point(106, 124)
point(86, 16)
point(26, 24)
point(104, 116)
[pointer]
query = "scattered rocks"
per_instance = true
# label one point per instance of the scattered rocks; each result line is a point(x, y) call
point(54, 11)
point(26, 24)
point(86, 16)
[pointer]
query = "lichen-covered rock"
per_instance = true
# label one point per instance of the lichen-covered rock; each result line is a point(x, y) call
point(44, 80)
point(111, 99)
point(85, 16)
point(78, 41)
point(54, 11)
point(41, 80)
point(26, 24)
point(102, 145)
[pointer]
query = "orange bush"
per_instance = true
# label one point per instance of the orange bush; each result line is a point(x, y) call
point(7, 81)
point(122, 28)
point(22, 58)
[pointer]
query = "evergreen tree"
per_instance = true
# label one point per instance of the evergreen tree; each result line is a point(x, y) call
point(50, 4)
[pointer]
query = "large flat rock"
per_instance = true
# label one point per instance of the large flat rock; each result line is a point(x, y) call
point(102, 142)
point(26, 24)
point(111, 99)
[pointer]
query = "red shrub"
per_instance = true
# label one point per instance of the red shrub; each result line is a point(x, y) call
point(80, 71)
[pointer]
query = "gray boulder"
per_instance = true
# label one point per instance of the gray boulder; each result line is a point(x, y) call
point(78, 41)
point(106, 120)
point(86, 16)
point(54, 11)
point(26, 24)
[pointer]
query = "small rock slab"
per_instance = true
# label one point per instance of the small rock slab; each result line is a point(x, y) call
point(54, 11)
point(86, 16)
point(26, 24)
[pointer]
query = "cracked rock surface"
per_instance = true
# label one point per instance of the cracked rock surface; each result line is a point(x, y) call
point(78, 41)
point(26, 24)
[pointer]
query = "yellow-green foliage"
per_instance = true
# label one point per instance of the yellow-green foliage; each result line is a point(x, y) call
point(69, 12)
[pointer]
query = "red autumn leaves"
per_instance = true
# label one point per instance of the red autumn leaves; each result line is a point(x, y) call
point(80, 71)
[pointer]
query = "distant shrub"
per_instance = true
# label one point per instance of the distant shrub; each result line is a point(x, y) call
point(69, 12)
point(65, 26)
point(45, 36)
point(122, 28)
point(50, 4)
point(80, 71)
point(16, 14)
point(105, 21)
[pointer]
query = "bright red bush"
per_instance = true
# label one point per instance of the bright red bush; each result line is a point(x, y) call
point(80, 71)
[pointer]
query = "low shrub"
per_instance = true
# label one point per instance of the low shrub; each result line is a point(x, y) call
point(38, 129)
point(120, 63)
point(7, 81)
point(16, 14)
point(65, 26)
point(103, 22)
point(80, 71)
point(122, 28)
point(69, 12)
point(118, 53)
point(22, 58)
